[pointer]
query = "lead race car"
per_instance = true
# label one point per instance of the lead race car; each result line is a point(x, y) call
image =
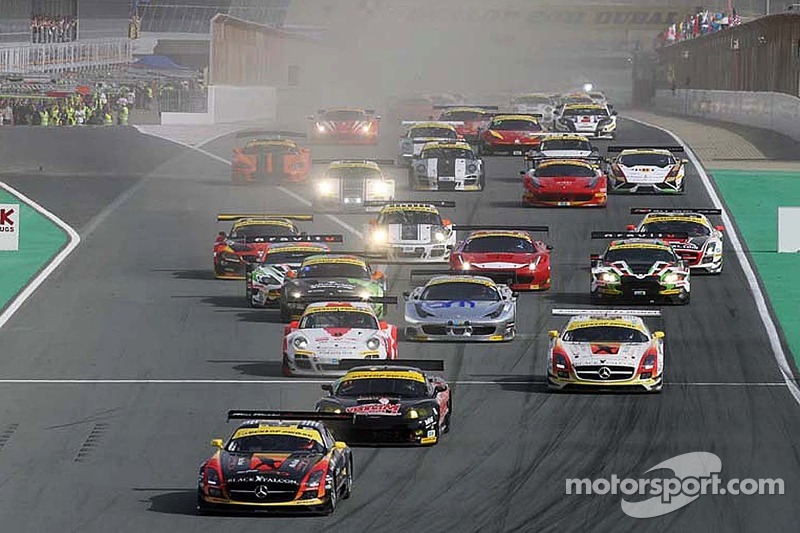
point(331, 331)
point(411, 231)
point(647, 170)
point(591, 120)
point(345, 125)
point(352, 184)
point(446, 166)
point(510, 134)
point(270, 156)
point(609, 349)
point(507, 254)
point(393, 402)
point(421, 133)
point(702, 249)
point(641, 267)
point(458, 307)
point(265, 278)
point(277, 461)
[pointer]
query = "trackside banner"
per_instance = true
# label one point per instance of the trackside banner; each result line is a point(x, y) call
point(9, 227)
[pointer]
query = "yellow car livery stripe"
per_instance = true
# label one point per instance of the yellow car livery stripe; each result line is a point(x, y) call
point(509, 233)
point(263, 222)
point(334, 261)
point(291, 144)
point(401, 208)
point(694, 220)
point(292, 249)
point(441, 125)
point(278, 430)
point(369, 374)
point(640, 246)
point(373, 166)
point(460, 279)
point(337, 309)
point(571, 162)
point(578, 324)
point(516, 117)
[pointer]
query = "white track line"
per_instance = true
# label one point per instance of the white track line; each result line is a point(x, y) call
point(749, 272)
point(290, 381)
point(30, 288)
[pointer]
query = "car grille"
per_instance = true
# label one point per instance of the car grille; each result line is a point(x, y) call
point(692, 257)
point(277, 492)
point(592, 372)
point(559, 197)
point(442, 330)
point(409, 232)
point(640, 288)
point(417, 252)
point(445, 167)
point(353, 187)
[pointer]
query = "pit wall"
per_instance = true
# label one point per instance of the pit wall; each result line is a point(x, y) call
point(228, 104)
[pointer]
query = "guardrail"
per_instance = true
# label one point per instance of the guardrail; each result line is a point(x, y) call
point(59, 57)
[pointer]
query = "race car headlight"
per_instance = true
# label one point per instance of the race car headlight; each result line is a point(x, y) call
point(465, 265)
point(535, 181)
point(314, 479)
point(330, 409)
point(472, 167)
point(496, 313)
point(326, 188)
point(373, 343)
point(495, 134)
point(609, 277)
point(227, 256)
point(296, 295)
point(364, 295)
point(380, 187)
point(212, 477)
point(440, 236)
point(421, 168)
point(321, 128)
point(365, 128)
point(532, 267)
point(380, 236)
point(301, 343)
point(418, 412)
point(671, 278)
point(711, 248)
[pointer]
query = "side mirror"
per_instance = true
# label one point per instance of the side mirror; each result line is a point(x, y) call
point(522, 173)
point(553, 334)
point(440, 387)
point(377, 274)
point(515, 294)
point(720, 228)
point(217, 443)
point(631, 227)
point(220, 237)
point(549, 246)
point(294, 324)
point(327, 387)
point(614, 113)
point(291, 274)
point(447, 222)
point(685, 161)
point(339, 445)
point(406, 295)
point(377, 117)
point(594, 259)
point(658, 335)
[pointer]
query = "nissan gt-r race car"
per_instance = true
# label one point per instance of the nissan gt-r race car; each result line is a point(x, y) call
point(639, 267)
point(412, 231)
point(394, 403)
point(331, 277)
point(646, 170)
point(446, 166)
point(564, 183)
point(606, 350)
point(702, 250)
point(277, 461)
point(421, 133)
point(272, 156)
point(344, 125)
point(510, 134)
point(265, 278)
point(506, 254)
point(349, 184)
point(331, 331)
point(564, 146)
point(541, 104)
point(458, 307)
point(591, 120)
point(249, 238)
point(468, 120)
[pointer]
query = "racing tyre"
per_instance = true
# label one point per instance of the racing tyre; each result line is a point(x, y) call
point(333, 500)
point(286, 315)
point(595, 298)
point(482, 181)
point(285, 370)
point(449, 415)
point(202, 507)
point(348, 482)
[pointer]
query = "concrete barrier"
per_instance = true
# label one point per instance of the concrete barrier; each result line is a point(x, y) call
point(228, 104)
point(778, 112)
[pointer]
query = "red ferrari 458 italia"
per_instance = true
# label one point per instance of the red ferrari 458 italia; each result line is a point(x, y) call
point(345, 126)
point(565, 182)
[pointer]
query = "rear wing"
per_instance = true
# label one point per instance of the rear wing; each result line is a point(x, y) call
point(533, 229)
point(468, 106)
point(321, 238)
point(434, 203)
point(385, 300)
point(638, 235)
point(387, 162)
point(269, 133)
point(618, 148)
point(300, 416)
point(224, 217)
point(677, 210)
point(606, 312)
point(432, 365)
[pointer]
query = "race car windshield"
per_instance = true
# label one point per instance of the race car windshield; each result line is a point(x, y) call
point(514, 245)
point(532, 100)
point(334, 270)
point(646, 160)
point(411, 218)
point(605, 334)
point(339, 319)
point(439, 133)
point(353, 172)
point(515, 125)
point(566, 144)
point(448, 153)
point(640, 256)
point(460, 291)
point(572, 171)
point(585, 111)
point(462, 115)
point(381, 387)
point(261, 230)
point(280, 258)
point(694, 229)
point(342, 114)
point(274, 443)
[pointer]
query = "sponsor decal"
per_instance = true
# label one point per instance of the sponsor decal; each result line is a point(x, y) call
point(383, 407)
point(449, 304)
point(9, 227)
point(260, 479)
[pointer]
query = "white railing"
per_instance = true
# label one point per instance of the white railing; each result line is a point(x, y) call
point(59, 57)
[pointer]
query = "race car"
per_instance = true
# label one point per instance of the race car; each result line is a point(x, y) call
point(265, 278)
point(446, 166)
point(564, 183)
point(541, 104)
point(277, 461)
point(598, 97)
point(702, 250)
point(412, 231)
point(345, 125)
point(248, 240)
point(273, 155)
point(564, 146)
point(510, 134)
point(458, 307)
point(421, 133)
point(394, 403)
point(591, 120)
point(639, 267)
point(330, 277)
point(646, 170)
point(349, 184)
point(331, 331)
point(507, 254)
point(606, 350)
point(468, 120)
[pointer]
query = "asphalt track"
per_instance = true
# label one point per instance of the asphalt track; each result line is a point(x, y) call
point(136, 301)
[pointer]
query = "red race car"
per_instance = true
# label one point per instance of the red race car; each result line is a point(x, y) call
point(251, 236)
point(510, 134)
point(507, 255)
point(564, 182)
point(468, 120)
point(271, 155)
point(344, 125)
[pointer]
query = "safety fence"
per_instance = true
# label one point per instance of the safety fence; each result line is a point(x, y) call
point(60, 57)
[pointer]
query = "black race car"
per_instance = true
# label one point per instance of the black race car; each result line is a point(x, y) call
point(277, 461)
point(394, 402)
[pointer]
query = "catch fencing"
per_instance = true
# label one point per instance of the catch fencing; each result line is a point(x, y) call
point(61, 57)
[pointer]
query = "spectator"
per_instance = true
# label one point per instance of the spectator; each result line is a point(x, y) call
point(53, 29)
